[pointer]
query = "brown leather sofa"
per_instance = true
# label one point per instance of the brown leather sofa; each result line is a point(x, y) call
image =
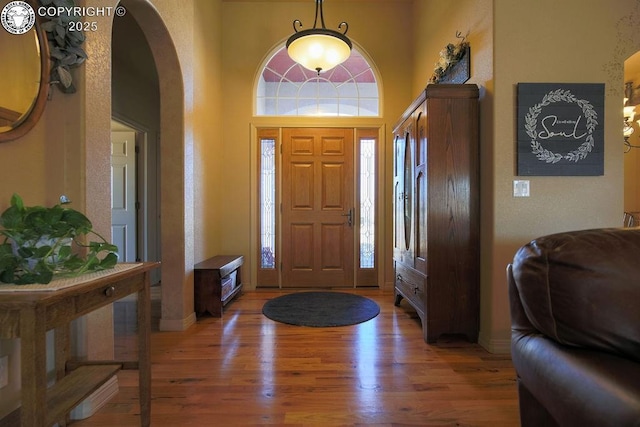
point(575, 328)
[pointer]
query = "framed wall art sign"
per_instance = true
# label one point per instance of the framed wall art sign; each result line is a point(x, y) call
point(560, 129)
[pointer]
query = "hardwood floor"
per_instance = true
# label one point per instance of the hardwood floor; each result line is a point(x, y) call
point(244, 369)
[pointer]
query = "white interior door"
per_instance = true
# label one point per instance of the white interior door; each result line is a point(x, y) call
point(123, 194)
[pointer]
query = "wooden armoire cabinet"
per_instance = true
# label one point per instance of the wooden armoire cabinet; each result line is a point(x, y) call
point(436, 210)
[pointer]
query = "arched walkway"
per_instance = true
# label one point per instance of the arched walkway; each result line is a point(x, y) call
point(176, 196)
point(177, 292)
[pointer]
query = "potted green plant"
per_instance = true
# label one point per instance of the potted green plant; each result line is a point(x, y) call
point(43, 242)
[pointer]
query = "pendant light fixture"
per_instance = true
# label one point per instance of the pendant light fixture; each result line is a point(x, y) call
point(319, 49)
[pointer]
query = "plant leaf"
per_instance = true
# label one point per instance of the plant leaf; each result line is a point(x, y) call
point(75, 38)
point(109, 261)
point(42, 251)
point(65, 76)
point(60, 31)
point(11, 218)
point(64, 252)
point(7, 276)
point(43, 274)
point(69, 60)
point(77, 51)
point(74, 263)
point(64, 3)
point(70, 89)
point(56, 53)
point(25, 252)
point(59, 40)
point(77, 220)
point(17, 202)
point(49, 26)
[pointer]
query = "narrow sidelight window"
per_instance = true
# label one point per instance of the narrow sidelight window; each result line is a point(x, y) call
point(367, 202)
point(268, 203)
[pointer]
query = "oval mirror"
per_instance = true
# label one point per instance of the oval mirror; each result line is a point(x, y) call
point(25, 72)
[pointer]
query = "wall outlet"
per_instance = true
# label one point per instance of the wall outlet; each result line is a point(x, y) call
point(521, 188)
point(4, 371)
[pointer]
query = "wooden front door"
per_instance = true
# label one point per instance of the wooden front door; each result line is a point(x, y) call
point(317, 207)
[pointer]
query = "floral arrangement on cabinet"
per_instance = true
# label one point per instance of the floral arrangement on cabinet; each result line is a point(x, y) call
point(449, 57)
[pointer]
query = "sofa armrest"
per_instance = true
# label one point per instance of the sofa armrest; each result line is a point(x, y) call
point(577, 386)
point(581, 289)
point(519, 321)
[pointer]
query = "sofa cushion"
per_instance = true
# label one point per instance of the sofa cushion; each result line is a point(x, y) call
point(576, 387)
point(582, 288)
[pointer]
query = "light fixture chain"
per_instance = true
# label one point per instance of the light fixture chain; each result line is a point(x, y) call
point(319, 3)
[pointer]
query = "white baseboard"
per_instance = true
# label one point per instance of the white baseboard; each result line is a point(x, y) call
point(495, 346)
point(96, 400)
point(179, 324)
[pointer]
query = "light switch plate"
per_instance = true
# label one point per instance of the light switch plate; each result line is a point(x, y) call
point(520, 188)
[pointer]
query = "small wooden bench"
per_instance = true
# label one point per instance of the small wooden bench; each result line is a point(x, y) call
point(216, 281)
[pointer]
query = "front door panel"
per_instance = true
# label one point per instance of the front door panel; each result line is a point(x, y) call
point(317, 207)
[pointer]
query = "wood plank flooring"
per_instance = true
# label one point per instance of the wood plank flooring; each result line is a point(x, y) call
point(244, 369)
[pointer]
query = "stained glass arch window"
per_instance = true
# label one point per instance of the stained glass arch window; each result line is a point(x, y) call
point(286, 88)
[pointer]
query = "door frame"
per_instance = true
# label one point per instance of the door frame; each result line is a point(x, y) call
point(363, 128)
point(129, 214)
point(148, 237)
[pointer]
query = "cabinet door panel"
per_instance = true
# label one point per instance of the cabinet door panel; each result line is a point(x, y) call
point(421, 188)
point(398, 196)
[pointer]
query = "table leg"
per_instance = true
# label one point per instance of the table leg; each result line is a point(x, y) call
point(61, 356)
point(33, 368)
point(144, 351)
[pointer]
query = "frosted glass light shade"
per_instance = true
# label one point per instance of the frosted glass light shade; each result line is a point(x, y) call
point(319, 50)
point(629, 113)
point(628, 130)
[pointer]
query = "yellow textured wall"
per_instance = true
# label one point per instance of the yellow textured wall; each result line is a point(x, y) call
point(544, 41)
point(550, 41)
point(436, 25)
point(209, 166)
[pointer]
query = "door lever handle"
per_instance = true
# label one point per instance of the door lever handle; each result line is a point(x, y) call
point(349, 216)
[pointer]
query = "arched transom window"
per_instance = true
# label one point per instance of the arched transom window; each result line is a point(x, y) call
point(286, 88)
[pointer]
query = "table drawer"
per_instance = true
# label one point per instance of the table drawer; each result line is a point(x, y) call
point(89, 301)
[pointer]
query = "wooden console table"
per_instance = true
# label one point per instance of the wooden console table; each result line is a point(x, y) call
point(29, 314)
point(211, 291)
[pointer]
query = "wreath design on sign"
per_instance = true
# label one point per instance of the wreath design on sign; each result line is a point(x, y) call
point(560, 95)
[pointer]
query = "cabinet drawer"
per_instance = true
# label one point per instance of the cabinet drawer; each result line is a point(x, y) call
point(410, 284)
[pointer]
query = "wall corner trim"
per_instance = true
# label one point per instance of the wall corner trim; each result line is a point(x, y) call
point(177, 324)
